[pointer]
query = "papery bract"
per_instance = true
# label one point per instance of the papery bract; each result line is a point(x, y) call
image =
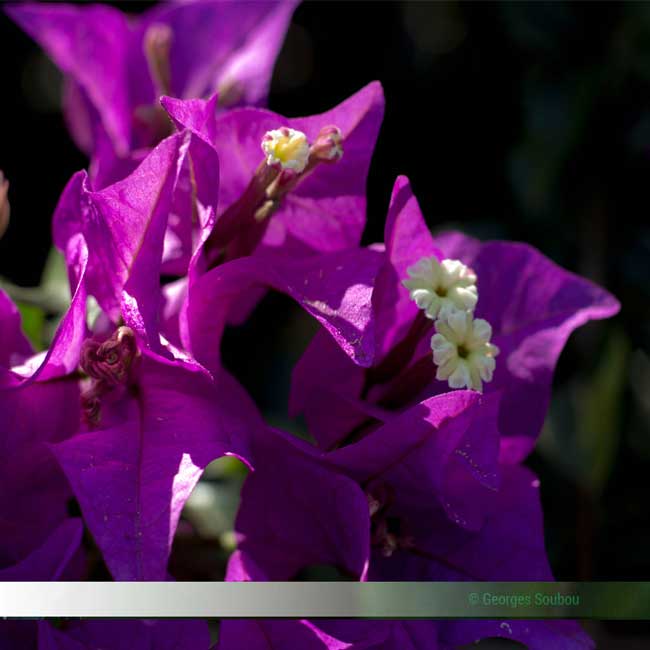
point(394, 635)
point(532, 305)
point(133, 473)
point(18, 634)
point(433, 467)
point(53, 560)
point(147, 435)
point(115, 73)
point(118, 634)
point(34, 413)
point(509, 546)
point(141, 226)
point(326, 211)
point(297, 512)
point(335, 288)
point(299, 635)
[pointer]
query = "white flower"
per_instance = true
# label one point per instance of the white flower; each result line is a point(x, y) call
point(442, 288)
point(287, 148)
point(463, 352)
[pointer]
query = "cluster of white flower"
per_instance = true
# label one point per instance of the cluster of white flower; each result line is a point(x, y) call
point(446, 292)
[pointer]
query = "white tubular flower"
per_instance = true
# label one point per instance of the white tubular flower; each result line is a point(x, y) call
point(463, 352)
point(286, 148)
point(441, 288)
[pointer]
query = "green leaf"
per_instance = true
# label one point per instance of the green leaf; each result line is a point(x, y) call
point(53, 294)
point(33, 322)
point(598, 412)
point(582, 433)
point(54, 282)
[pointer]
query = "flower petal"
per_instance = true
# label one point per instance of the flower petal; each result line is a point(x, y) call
point(133, 477)
point(533, 306)
point(52, 559)
point(334, 288)
point(326, 212)
point(116, 634)
point(408, 241)
point(296, 512)
point(91, 45)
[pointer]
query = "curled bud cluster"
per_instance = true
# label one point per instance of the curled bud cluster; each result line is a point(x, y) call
point(446, 292)
point(108, 365)
point(110, 361)
point(4, 204)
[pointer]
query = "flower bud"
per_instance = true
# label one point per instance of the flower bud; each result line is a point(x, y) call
point(157, 44)
point(4, 204)
point(231, 92)
point(328, 145)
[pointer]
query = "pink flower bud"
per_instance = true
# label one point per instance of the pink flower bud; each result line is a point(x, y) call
point(4, 204)
point(328, 145)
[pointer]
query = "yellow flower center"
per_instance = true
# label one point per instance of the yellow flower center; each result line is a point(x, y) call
point(287, 148)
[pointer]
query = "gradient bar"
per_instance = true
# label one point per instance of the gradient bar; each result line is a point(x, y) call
point(399, 600)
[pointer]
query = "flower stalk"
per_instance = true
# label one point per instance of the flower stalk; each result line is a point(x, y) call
point(289, 159)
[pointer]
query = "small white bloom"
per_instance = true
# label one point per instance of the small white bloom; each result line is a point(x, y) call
point(463, 352)
point(441, 288)
point(287, 148)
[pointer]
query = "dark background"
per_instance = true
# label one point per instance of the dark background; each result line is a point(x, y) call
point(525, 121)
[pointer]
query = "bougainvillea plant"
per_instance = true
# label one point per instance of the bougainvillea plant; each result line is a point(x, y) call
point(423, 390)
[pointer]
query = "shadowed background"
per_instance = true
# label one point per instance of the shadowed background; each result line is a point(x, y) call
point(525, 121)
